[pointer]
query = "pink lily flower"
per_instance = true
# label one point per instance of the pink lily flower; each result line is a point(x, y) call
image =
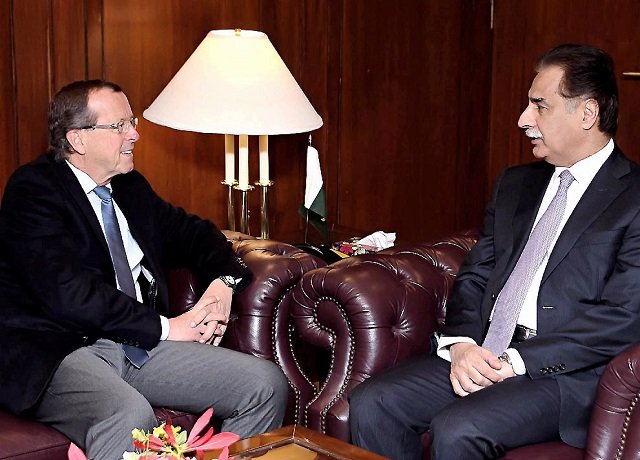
point(75, 453)
point(208, 441)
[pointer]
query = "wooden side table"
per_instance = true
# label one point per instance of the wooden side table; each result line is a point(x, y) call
point(294, 442)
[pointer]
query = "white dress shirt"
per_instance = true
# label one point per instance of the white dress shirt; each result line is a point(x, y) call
point(583, 172)
point(131, 247)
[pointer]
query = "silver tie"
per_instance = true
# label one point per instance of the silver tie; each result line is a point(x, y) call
point(511, 298)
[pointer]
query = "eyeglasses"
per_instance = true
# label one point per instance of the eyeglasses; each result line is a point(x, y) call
point(122, 126)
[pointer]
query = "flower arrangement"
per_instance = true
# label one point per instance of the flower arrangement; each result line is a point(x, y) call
point(168, 442)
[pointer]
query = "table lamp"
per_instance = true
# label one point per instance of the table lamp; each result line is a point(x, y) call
point(235, 83)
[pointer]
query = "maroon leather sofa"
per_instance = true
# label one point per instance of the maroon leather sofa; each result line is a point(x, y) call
point(372, 311)
point(259, 327)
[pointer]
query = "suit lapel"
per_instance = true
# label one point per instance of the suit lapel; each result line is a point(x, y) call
point(70, 183)
point(605, 187)
point(532, 190)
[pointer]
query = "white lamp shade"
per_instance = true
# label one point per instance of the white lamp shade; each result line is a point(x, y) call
point(234, 83)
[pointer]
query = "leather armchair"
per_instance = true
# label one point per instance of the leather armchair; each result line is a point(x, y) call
point(259, 326)
point(373, 311)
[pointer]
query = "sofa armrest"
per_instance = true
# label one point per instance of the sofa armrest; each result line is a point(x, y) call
point(371, 312)
point(261, 326)
point(615, 418)
point(276, 268)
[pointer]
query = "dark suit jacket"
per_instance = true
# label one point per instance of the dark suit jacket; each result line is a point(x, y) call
point(589, 300)
point(57, 283)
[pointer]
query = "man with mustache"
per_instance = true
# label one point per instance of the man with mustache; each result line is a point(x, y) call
point(86, 343)
point(548, 295)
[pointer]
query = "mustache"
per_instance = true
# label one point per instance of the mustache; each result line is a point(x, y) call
point(533, 133)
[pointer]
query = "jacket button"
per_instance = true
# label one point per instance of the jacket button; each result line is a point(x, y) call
point(562, 367)
point(543, 371)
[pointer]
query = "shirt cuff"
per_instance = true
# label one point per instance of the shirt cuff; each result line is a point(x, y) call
point(516, 361)
point(445, 341)
point(164, 322)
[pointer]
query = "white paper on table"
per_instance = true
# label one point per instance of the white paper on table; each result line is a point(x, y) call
point(379, 240)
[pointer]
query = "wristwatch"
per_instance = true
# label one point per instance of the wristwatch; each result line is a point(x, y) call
point(504, 357)
point(229, 281)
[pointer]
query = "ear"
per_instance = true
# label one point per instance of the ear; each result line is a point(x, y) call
point(74, 137)
point(590, 114)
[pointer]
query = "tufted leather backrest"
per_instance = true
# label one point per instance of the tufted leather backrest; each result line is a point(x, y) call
point(445, 257)
point(371, 312)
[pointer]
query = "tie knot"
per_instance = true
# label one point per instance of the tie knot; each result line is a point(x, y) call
point(566, 178)
point(103, 192)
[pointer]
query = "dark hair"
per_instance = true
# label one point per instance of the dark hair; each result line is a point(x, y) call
point(69, 110)
point(588, 73)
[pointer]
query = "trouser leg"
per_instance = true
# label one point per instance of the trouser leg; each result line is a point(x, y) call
point(487, 423)
point(92, 405)
point(389, 412)
point(96, 397)
point(248, 393)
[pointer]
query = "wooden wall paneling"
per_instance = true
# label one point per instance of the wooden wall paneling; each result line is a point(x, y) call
point(8, 120)
point(627, 58)
point(330, 143)
point(31, 28)
point(399, 117)
point(520, 38)
point(510, 83)
point(68, 48)
point(94, 39)
point(473, 113)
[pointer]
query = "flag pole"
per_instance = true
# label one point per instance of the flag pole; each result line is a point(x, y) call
point(306, 225)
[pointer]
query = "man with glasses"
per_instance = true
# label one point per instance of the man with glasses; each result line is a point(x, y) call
point(87, 346)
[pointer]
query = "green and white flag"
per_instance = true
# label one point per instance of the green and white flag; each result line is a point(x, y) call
point(314, 208)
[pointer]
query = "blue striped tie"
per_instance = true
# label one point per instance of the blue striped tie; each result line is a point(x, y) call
point(137, 356)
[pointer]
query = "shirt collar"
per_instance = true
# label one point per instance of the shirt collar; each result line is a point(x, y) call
point(585, 170)
point(85, 180)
